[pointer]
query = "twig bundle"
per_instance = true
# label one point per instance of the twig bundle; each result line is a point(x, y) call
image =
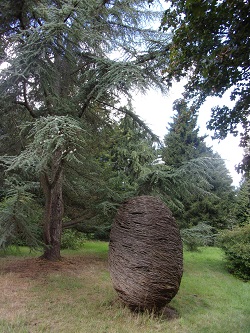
point(145, 254)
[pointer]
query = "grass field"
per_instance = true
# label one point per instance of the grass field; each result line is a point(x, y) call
point(76, 296)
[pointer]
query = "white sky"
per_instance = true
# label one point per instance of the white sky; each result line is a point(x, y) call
point(156, 110)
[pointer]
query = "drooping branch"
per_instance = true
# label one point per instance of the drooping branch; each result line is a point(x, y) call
point(134, 117)
point(88, 99)
point(152, 56)
point(78, 220)
point(25, 103)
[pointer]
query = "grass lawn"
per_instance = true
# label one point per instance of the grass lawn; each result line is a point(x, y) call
point(76, 296)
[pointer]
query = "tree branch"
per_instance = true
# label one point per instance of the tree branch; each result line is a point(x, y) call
point(68, 16)
point(25, 103)
point(77, 220)
point(151, 56)
point(135, 118)
point(88, 99)
point(27, 106)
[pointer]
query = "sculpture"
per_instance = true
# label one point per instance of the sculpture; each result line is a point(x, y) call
point(145, 254)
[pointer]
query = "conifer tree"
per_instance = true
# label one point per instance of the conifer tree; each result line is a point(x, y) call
point(242, 205)
point(132, 151)
point(183, 144)
point(62, 73)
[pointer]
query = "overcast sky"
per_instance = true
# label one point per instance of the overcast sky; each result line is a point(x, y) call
point(156, 110)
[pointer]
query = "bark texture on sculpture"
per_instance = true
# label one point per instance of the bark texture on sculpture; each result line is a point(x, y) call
point(145, 254)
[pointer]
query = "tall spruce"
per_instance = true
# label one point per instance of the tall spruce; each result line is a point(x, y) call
point(63, 72)
point(183, 144)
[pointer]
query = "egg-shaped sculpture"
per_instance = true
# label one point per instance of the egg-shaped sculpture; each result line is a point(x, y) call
point(145, 254)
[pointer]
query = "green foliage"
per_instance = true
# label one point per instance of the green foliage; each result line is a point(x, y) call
point(131, 152)
point(102, 233)
point(172, 184)
point(217, 208)
point(20, 217)
point(183, 144)
point(122, 157)
point(200, 235)
point(244, 166)
point(236, 244)
point(11, 142)
point(72, 239)
point(47, 135)
point(70, 71)
point(64, 73)
point(242, 204)
point(210, 46)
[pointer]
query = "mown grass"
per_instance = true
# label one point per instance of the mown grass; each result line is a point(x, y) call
point(81, 299)
point(92, 247)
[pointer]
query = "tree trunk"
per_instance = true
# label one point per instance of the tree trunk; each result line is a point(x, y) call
point(54, 208)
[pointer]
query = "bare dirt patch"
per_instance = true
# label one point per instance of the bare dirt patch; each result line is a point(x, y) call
point(19, 276)
point(34, 268)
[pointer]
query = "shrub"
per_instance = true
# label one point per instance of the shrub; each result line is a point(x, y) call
point(236, 244)
point(102, 233)
point(72, 239)
point(199, 235)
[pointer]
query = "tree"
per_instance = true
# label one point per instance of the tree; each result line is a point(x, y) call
point(134, 167)
point(210, 47)
point(215, 209)
point(54, 143)
point(132, 151)
point(63, 75)
point(127, 150)
point(183, 144)
point(242, 204)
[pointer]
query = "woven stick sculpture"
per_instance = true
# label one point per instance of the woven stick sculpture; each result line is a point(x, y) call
point(145, 254)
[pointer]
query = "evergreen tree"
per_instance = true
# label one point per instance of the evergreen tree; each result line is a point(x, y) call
point(126, 154)
point(216, 208)
point(242, 205)
point(61, 72)
point(132, 151)
point(183, 144)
